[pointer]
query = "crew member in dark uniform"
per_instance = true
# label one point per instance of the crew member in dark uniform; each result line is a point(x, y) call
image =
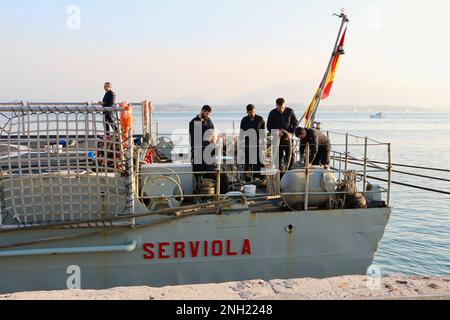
point(284, 121)
point(252, 126)
point(319, 146)
point(109, 100)
point(198, 126)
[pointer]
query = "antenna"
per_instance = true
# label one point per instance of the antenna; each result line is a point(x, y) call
point(342, 15)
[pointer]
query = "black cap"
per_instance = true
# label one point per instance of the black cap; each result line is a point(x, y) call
point(298, 131)
point(206, 108)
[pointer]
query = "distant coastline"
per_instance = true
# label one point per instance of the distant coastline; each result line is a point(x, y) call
point(177, 107)
point(265, 107)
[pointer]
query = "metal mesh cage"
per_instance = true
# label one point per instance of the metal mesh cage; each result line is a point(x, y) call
point(62, 163)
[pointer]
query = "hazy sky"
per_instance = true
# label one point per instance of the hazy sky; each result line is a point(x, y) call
point(236, 51)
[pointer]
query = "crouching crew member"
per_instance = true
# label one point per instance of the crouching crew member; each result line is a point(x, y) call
point(319, 146)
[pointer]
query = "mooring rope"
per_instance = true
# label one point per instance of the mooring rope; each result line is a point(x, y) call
point(403, 172)
point(401, 183)
point(409, 185)
point(412, 166)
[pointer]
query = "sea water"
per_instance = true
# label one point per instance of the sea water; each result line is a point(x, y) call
point(417, 238)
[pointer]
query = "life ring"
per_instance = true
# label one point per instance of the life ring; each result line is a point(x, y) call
point(126, 122)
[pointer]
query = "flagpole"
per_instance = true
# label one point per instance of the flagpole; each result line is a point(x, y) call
point(345, 20)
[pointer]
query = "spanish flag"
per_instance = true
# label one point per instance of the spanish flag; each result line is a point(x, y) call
point(328, 83)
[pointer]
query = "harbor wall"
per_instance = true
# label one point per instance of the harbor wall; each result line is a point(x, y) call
point(345, 287)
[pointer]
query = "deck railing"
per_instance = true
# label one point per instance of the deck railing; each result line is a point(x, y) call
point(93, 176)
point(344, 158)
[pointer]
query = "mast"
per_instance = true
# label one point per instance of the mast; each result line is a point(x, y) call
point(344, 21)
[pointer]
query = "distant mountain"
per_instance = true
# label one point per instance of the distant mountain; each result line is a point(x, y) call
point(299, 108)
point(291, 91)
point(191, 100)
point(374, 108)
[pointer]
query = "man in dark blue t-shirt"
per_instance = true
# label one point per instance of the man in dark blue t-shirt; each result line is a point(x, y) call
point(251, 136)
point(201, 132)
point(109, 100)
point(282, 123)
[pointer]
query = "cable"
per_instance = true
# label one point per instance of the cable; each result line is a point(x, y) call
point(412, 166)
point(409, 185)
point(403, 172)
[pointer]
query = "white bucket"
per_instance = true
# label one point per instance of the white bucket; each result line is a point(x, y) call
point(250, 190)
point(57, 148)
point(49, 148)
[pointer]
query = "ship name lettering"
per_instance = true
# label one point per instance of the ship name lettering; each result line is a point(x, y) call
point(192, 249)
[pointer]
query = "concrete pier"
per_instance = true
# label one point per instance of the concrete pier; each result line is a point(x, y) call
point(346, 287)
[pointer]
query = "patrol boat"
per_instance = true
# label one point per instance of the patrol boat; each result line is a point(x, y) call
point(378, 115)
point(84, 208)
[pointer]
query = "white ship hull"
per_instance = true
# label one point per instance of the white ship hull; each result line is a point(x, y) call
point(247, 246)
point(77, 218)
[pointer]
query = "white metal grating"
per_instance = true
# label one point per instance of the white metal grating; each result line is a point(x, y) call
point(58, 163)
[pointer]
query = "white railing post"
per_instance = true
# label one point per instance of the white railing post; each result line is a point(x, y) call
point(389, 175)
point(365, 164)
point(346, 152)
point(307, 177)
